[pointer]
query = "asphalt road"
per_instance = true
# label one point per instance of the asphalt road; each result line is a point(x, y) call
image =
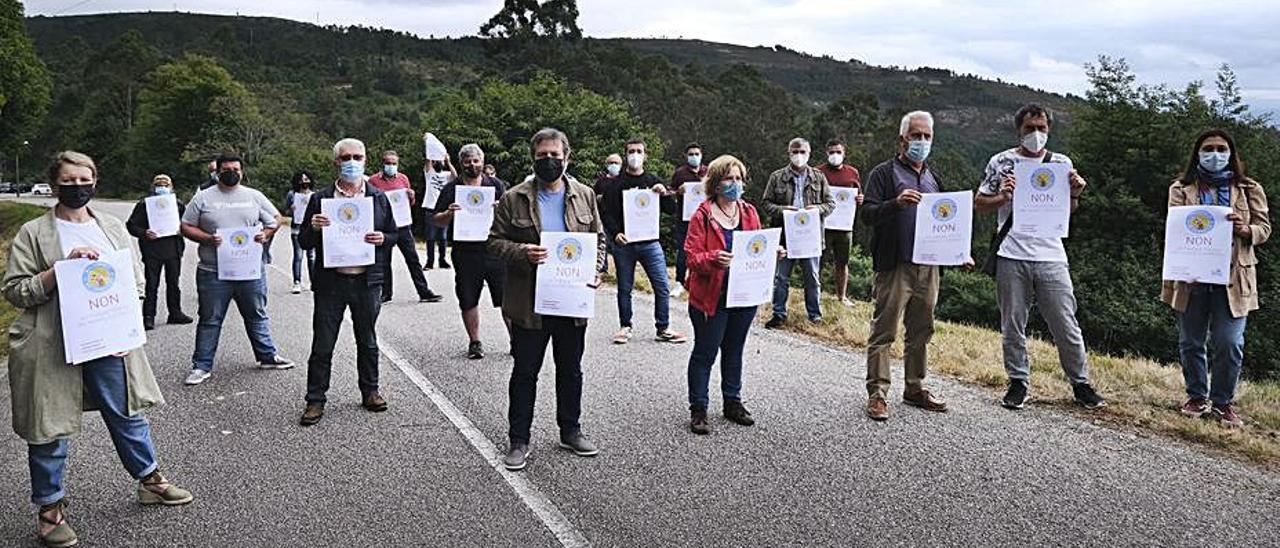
point(812, 472)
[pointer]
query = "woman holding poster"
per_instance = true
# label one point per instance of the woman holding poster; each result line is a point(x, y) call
point(717, 328)
point(1209, 312)
point(48, 395)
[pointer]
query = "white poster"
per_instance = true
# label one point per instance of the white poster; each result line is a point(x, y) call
point(563, 281)
point(1041, 200)
point(693, 198)
point(350, 220)
point(99, 307)
point(472, 222)
point(436, 182)
point(640, 214)
point(433, 148)
point(300, 202)
point(841, 218)
point(1197, 244)
point(944, 229)
point(399, 199)
point(804, 233)
point(162, 215)
point(755, 257)
point(239, 256)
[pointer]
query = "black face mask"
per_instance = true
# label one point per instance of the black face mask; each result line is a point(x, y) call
point(471, 171)
point(76, 196)
point(548, 169)
point(229, 178)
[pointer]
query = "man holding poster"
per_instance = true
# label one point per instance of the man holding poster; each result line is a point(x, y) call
point(160, 253)
point(846, 189)
point(797, 187)
point(549, 201)
point(1034, 192)
point(338, 287)
point(400, 193)
point(687, 182)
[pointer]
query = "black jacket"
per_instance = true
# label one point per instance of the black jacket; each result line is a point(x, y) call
point(611, 199)
point(159, 249)
point(383, 221)
point(879, 210)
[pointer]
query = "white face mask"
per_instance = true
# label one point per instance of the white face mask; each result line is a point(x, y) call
point(1035, 141)
point(835, 159)
point(635, 160)
point(800, 159)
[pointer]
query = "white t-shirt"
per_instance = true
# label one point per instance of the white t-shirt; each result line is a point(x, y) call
point(1015, 246)
point(72, 235)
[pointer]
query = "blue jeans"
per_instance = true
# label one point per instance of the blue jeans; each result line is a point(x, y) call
point(649, 255)
point(106, 387)
point(682, 262)
point(725, 334)
point(298, 255)
point(437, 238)
point(782, 284)
point(215, 298)
point(1208, 316)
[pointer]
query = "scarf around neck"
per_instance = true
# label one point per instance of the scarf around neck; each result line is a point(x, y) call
point(1215, 188)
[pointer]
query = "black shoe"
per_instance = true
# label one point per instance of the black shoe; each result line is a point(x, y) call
point(178, 318)
point(444, 265)
point(1087, 397)
point(385, 299)
point(736, 413)
point(698, 422)
point(475, 351)
point(431, 298)
point(775, 322)
point(579, 445)
point(1016, 396)
point(149, 323)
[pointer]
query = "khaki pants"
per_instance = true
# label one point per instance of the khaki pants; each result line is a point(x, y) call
point(907, 295)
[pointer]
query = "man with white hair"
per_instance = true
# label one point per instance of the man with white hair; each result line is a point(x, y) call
point(336, 289)
point(795, 187)
point(903, 291)
point(388, 179)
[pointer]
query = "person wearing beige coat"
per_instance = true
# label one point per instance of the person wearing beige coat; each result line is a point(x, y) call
point(1213, 313)
point(48, 394)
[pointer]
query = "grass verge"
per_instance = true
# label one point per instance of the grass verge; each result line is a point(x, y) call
point(12, 216)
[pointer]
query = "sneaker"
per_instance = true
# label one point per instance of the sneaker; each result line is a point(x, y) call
point(622, 336)
point(384, 299)
point(427, 268)
point(580, 445)
point(736, 413)
point(431, 297)
point(154, 489)
point(698, 422)
point(847, 302)
point(1087, 397)
point(925, 400)
point(667, 335)
point(517, 457)
point(775, 322)
point(52, 528)
point(475, 350)
point(1227, 416)
point(677, 290)
point(877, 409)
point(815, 319)
point(444, 265)
point(275, 362)
point(149, 323)
point(197, 376)
point(1196, 407)
point(374, 402)
point(297, 288)
point(178, 318)
point(311, 415)
point(1016, 396)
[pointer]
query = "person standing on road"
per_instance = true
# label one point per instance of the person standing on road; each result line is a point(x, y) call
point(49, 396)
point(552, 201)
point(840, 242)
point(903, 291)
point(794, 188)
point(649, 254)
point(1032, 269)
point(337, 289)
point(606, 180)
point(159, 254)
point(474, 266)
point(718, 329)
point(301, 186)
point(1214, 313)
point(692, 171)
point(387, 180)
point(229, 205)
point(437, 173)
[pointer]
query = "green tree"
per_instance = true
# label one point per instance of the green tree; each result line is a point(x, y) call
point(527, 19)
point(24, 82)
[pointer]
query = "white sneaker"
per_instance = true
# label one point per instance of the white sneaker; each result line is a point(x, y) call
point(845, 301)
point(297, 288)
point(677, 290)
point(197, 376)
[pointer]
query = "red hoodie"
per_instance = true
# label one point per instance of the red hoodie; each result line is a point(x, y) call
point(704, 242)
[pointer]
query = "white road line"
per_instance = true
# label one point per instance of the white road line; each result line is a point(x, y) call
point(555, 521)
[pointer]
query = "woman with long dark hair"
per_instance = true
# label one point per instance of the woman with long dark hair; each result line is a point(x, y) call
point(1216, 313)
point(295, 204)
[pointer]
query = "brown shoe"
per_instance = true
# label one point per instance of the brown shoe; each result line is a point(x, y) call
point(925, 400)
point(374, 402)
point(312, 415)
point(877, 409)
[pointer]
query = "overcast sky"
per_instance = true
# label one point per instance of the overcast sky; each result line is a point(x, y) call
point(1043, 45)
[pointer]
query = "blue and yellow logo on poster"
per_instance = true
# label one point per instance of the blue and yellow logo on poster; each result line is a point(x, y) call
point(569, 251)
point(1200, 221)
point(348, 213)
point(240, 239)
point(1043, 179)
point(98, 277)
point(643, 200)
point(475, 198)
point(945, 210)
point(756, 245)
point(803, 218)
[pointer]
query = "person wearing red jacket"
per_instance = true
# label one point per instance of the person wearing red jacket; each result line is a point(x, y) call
point(717, 328)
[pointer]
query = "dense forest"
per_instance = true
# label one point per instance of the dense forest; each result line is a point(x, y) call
point(164, 92)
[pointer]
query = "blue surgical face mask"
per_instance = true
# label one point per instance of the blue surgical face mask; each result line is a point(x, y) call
point(1214, 162)
point(695, 160)
point(390, 170)
point(352, 170)
point(918, 150)
point(613, 169)
point(731, 190)
point(163, 190)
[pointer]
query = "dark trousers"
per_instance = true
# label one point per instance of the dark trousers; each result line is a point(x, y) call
point(330, 305)
point(172, 294)
point(724, 334)
point(530, 346)
point(409, 249)
point(437, 239)
point(682, 261)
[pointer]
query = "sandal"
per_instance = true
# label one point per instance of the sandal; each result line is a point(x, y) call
point(60, 534)
point(155, 489)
